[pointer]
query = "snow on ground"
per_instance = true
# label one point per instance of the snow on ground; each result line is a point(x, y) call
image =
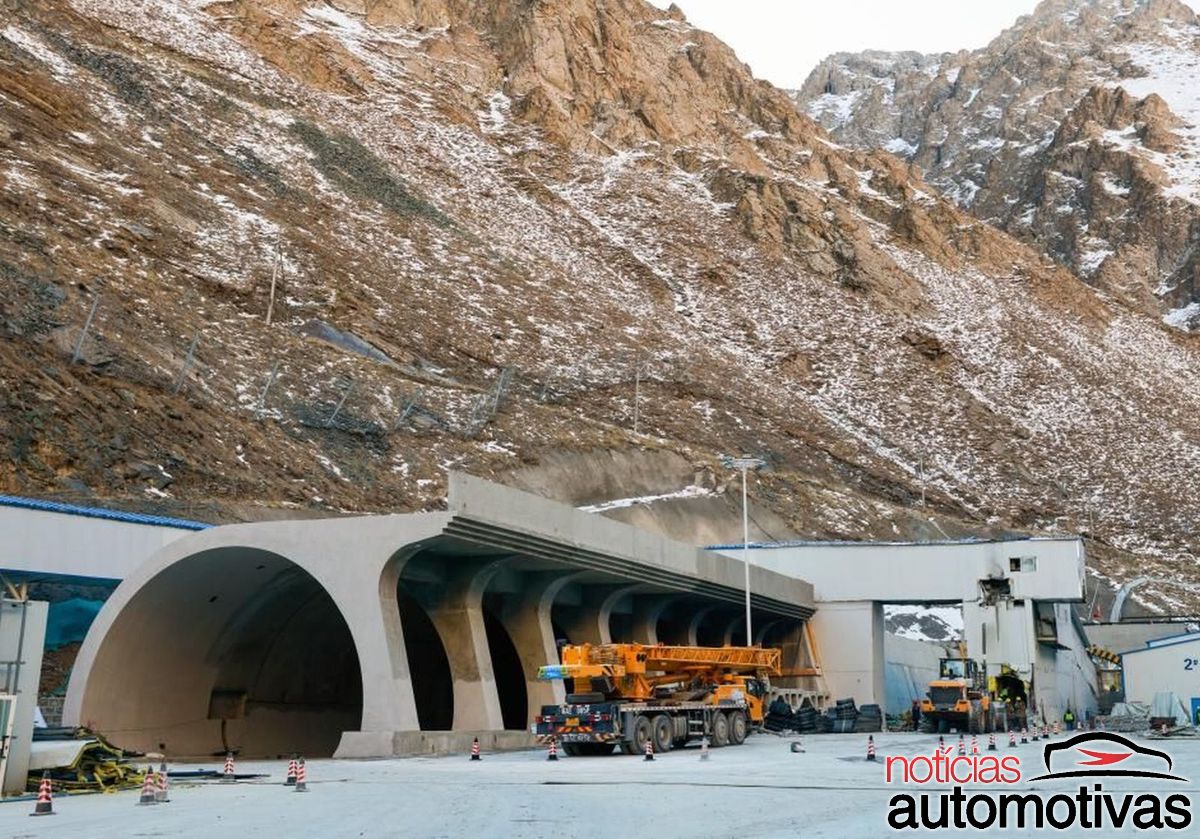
point(760, 789)
point(924, 623)
point(1171, 72)
point(686, 492)
point(838, 107)
point(1183, 318)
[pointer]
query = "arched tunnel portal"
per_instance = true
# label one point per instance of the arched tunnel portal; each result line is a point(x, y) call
point(234, 649)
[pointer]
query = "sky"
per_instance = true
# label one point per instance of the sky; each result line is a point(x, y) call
point(782, 40)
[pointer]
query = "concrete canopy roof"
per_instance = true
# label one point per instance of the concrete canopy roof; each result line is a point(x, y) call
point(205, 615)
point(525, 525)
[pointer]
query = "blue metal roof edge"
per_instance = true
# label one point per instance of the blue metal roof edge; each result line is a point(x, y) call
point(98, 513)
point(800, 543)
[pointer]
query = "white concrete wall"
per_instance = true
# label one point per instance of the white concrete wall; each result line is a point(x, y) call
point(80, 546)
point(927, 573)
point(24, 646)
point(1164, 668)
point(1001, 634)
point(1064, 675)
point(910, 666)
point(851, 640)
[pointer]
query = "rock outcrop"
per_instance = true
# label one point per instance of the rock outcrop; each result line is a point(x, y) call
point(336, 248)
point(1077, 130)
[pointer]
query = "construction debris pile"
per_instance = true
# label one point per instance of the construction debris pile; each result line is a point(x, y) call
point(78, 760)
point(1125, 717)
point(1166, 716)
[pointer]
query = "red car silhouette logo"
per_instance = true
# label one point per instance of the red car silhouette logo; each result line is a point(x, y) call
point(1104, 764)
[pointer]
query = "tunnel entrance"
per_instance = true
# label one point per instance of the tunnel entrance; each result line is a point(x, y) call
point(672, 626)
point(710, 632)
point(510, 675)
point(428, 666)
point(231, 649)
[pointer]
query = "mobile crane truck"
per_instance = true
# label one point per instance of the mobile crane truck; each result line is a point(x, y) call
point(628, 695)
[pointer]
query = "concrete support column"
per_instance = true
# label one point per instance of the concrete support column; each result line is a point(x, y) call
point(589, 621)
point(526, 618)
point(581, 622)
point(735, 631)
point(788, 635)
point(850, 635)
point(458, 618)
point(373, 617)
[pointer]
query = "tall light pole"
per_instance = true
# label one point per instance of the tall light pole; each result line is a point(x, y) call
point(745, 463)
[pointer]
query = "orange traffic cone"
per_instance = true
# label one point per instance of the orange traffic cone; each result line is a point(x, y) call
point(870, 747)
point(45, 801)
point(1012, 739)
point(290, 780)
point(649, 750)
point(301, 777)
point(704, 749)
point(552, 753)
point(160, 794)
point(974, 745)
point(962, 746)
point(475, 750)
point(148, 786)
point(991, 742)
point(228, 777)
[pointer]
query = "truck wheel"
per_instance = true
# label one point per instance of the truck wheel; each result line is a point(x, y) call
point(642, 734)
point(737, 728)
point(571, 749)
point(720, 730)
point(664, 733)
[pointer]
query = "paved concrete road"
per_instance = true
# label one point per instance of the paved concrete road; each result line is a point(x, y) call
point(761, 789)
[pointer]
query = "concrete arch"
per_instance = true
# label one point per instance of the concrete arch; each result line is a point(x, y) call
point(620, 629)
point(452, 596)
point(707, 627)
point(648, 613)
point(527, 617)
point(358, 589)
point(674, 622)
point(429, 666)
point(764, 629)
point(507, 666)
point(232, 648)
point(532, 563)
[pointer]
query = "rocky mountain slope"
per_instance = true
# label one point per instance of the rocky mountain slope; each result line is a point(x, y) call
point(570, 245)
point(1077, 130)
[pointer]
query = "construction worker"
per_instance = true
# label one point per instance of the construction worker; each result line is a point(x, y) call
point(1069, 720)
point(916, 714)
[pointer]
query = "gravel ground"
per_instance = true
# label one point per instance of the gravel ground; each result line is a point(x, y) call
point(758, 790)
